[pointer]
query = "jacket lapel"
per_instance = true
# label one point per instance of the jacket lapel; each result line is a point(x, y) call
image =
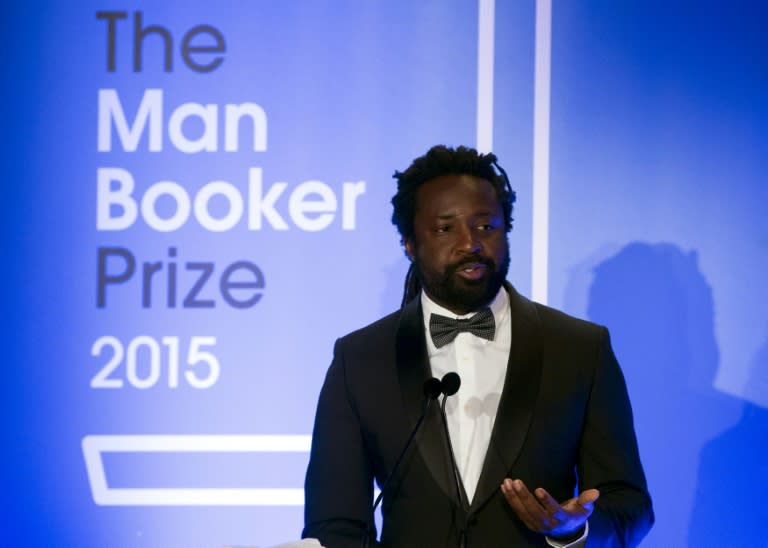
point(412, 370)
point(521, 389)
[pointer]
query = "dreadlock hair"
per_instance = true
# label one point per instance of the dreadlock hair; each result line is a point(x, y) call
point(442, 160)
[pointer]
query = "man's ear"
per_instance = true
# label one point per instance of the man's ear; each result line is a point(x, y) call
point(408, 244)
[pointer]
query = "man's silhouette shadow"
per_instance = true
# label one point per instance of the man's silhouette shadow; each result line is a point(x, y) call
point(659, 309)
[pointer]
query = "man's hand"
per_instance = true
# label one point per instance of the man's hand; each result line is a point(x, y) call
point(543, 514)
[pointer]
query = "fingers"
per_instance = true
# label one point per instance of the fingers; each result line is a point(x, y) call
point(581, 507)
point(527, 507)
point(586, 499)
point(546, 500)
point(543, 514)
point(552, 515)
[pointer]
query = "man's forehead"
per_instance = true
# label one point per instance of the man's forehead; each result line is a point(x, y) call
point(449, 195)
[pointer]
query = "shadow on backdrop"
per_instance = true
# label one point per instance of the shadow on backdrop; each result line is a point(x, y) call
point(660, 312)
point(730, 508)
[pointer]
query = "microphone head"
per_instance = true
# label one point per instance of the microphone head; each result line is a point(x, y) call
point(451, 383)
point(433, 388)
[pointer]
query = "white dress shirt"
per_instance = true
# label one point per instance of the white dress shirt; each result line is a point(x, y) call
point(482, 366)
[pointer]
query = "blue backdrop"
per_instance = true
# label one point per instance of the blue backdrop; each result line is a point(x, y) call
point(196, 204)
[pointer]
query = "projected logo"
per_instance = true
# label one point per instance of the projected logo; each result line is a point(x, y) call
point(128, 202)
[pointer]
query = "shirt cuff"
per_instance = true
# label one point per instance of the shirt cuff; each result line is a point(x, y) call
point(574, 543)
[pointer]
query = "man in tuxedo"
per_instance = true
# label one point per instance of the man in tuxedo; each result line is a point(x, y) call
point(541, 429)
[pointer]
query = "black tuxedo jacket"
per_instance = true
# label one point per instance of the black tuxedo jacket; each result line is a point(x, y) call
point(564, 422)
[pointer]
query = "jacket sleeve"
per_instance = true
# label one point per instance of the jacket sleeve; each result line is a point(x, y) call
point(609, 460)
point(339, 482)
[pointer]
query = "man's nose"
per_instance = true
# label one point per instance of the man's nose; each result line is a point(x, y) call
point(469, 241)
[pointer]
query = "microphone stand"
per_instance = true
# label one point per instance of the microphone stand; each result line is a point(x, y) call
point(432, 390)
point(451, 383)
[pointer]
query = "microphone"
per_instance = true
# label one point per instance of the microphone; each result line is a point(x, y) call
point(432, 390)
point(450, 385)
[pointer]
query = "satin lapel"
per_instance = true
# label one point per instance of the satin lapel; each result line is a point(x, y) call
point(412, 370)
point(518, 399)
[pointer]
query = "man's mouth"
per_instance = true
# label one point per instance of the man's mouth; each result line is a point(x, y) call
point(472, 271)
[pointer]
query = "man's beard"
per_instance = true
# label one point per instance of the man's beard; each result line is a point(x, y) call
point(461, 295)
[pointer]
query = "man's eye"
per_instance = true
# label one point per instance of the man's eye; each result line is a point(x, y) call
point(443, 228)
point(486, 227)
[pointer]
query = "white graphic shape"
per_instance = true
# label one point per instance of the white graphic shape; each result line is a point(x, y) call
point(95, 446)
point(542, 86)
point(486, 14)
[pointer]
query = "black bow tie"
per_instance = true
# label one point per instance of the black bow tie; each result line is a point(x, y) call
point(443, 330)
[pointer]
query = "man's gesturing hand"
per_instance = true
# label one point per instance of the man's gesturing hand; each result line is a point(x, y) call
point(543, 514)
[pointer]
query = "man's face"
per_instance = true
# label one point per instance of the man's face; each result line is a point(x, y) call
point(459, 247)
